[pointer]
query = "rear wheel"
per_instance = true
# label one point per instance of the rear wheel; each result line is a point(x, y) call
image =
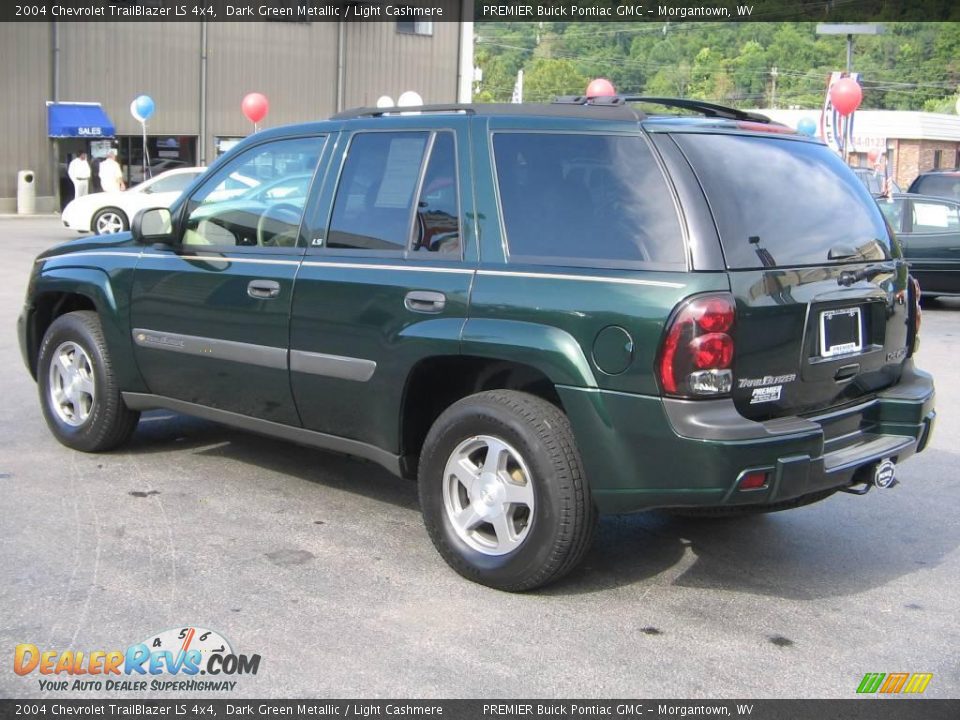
point(79, 394)
point(502, 491)
point(110, 220)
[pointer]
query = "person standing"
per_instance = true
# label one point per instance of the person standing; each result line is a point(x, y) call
point(111, 175)
point(79, 174)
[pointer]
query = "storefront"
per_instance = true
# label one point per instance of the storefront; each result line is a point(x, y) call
point(164, 152)
point(73, 128)
point(197, 74)
point(86, 127)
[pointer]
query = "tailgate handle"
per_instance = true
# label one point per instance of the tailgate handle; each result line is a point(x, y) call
point(847, 372)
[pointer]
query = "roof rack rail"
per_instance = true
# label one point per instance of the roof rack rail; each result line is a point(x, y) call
point(396, 110)
point(704, 108)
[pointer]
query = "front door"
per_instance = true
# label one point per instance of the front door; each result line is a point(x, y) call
point(210, 314)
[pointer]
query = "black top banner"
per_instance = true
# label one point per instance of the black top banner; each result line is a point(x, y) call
point(865, 709)
point(482, 10)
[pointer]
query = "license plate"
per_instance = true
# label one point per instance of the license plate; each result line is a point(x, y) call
point(841, 332)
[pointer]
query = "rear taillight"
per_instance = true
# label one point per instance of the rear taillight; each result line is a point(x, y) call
point(697, 349)
point(913, 339)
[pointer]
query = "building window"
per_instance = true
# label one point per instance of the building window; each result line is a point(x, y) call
point(937, 159)
point(415, 27)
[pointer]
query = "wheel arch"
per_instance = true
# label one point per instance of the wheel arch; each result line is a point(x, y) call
point(494, 355)
point(67, 289)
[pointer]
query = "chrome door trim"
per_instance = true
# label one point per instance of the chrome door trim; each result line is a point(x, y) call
point(335, 366)
point(213, 348)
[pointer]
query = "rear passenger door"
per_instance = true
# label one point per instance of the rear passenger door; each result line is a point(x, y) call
point(385, 281)
point(932, 243)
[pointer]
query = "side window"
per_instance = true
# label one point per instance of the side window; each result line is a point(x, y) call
point(438, 209)
point(934, 217)
point(257, 199)
point(172, 183)
point(586, 199)
point(893, 212)
point(373, 206)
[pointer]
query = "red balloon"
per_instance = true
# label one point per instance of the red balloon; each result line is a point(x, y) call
point(601, 87)
point(255, 107)
point(845, 94)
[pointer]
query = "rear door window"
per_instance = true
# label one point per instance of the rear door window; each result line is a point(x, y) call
point(780, 202)
point(586, 199)
point(373, 209)
point(437, 228)
point(930, 216)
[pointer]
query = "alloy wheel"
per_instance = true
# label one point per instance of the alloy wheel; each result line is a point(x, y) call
point(72, 384)
point(488, 495)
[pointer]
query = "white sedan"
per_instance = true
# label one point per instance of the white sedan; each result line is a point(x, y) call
point(111, 212)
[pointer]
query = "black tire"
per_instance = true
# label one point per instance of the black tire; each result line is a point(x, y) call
point(560, 527)
point(109, 422)
point(120, 215)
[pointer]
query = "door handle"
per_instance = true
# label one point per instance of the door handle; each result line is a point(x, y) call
point(425, 301)
point(263, 289)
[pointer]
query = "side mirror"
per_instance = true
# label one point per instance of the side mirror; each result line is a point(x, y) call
point(153, 225)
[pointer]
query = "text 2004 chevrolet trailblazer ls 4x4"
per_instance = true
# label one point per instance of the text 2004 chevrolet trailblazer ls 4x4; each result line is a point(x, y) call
point(541, 312)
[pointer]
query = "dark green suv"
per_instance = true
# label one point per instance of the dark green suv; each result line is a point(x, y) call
point(541, 312)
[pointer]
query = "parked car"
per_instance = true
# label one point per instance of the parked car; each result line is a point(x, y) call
point(938, 183)
point(874, 181)
point(110, 212)
point(541, 312)
point(157, 166)
point(929, 231)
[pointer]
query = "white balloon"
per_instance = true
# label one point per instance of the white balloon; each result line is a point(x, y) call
point(409, 99)
point(133, 111)
point(384, 101)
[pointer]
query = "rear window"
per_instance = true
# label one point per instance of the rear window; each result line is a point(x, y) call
point(780, 202)
point(940, 185)
point(586, 199)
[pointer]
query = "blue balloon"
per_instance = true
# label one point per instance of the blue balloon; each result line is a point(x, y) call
point(144, 105)
point(807, 126)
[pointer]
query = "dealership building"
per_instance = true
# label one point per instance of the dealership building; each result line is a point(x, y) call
point(912, 141)
point(69, 86)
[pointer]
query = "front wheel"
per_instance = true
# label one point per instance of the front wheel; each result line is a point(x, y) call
point(109, 221)
point(79, 393)
point(502, 491)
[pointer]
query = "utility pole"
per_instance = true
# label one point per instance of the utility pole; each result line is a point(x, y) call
point(849, 29)
point(773, 90)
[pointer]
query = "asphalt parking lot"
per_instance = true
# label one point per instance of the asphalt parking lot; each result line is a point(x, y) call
point(321, 565)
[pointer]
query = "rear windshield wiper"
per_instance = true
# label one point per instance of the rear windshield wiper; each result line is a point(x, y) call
point(849, 277)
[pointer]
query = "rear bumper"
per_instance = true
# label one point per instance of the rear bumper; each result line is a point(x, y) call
point(643, 452)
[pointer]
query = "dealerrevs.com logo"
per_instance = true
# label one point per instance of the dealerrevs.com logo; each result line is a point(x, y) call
point(169, 661)
point(894, 683)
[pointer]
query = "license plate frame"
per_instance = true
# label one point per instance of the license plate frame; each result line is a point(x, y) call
point(850, 342)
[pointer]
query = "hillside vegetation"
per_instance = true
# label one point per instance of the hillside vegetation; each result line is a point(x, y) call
point(913, 66)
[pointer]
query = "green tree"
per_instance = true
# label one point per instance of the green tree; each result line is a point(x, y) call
point(548, 77)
